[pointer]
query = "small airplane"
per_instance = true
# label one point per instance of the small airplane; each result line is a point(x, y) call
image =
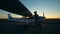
point(26, 20)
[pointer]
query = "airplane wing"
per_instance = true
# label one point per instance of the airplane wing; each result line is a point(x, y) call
point(14, 6)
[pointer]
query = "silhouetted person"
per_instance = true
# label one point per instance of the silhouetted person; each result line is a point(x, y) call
point(37, 24)
point(36, 17)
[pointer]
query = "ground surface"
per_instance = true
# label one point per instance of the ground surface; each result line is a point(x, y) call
point(50, 27)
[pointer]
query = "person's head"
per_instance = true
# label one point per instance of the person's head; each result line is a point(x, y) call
point(35, 12)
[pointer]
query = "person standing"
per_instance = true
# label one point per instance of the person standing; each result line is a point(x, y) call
point(37, 24)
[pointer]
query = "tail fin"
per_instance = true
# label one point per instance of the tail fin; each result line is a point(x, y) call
point(9, 16)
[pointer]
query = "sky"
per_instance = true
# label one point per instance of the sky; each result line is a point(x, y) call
point(51, 8)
